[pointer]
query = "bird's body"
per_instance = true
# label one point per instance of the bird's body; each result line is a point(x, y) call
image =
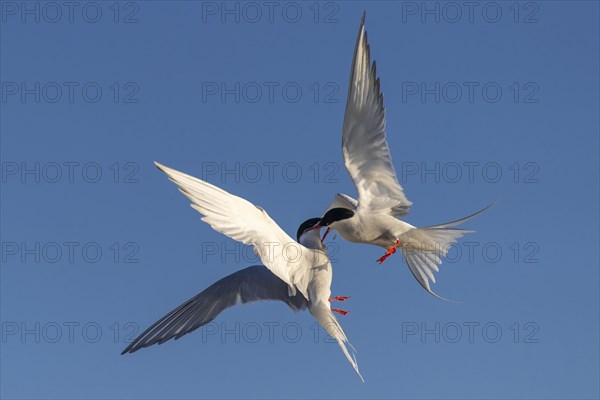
point(381, 200)
point(319, 277)
point(379, 229)
point(297, 273)
point(319, 290)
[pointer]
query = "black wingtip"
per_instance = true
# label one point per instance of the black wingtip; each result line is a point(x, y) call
point(362, 20)
point(129, 349)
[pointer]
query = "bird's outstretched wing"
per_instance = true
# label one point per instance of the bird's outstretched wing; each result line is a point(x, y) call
point(243, 221)
point(245, 286)
point(364, 146)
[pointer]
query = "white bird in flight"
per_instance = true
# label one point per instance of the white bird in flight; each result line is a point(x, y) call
point(381, 199)
point(297, 273)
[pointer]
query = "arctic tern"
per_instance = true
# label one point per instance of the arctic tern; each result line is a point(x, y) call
point(381, 199)
point(300, 278)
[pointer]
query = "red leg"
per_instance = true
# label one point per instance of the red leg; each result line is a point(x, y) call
point(389, 252)
point(337, 310)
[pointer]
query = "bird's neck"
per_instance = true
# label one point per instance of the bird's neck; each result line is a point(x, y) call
point(312, 240)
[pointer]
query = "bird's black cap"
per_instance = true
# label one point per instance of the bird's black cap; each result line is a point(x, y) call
point(336, 214)
point(309, 223)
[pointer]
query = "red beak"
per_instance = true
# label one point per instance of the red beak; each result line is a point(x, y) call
point(325, 235)
point(315, 226)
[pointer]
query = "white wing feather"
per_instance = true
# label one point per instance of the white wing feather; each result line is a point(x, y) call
point(364, 146)
point(241, 220)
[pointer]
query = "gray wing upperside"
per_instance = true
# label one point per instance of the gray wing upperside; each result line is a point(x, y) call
point(341, 200)
point(244, 286)
point(364, 145)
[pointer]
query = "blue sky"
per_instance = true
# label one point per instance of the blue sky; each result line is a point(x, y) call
point(498, 102)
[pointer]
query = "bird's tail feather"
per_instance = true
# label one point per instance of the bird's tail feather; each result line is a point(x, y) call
point(423, 247)
point(460, 221)
point(323, 314)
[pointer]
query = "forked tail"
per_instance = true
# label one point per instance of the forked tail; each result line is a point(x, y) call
point(323, 314)
point(423, 247)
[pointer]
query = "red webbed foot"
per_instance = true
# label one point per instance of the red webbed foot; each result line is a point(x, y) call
point(389, 252)
point(339, 298)
point(337, 310)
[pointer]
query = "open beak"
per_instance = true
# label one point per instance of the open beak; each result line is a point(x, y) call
point(325, 234)
point(315, 226)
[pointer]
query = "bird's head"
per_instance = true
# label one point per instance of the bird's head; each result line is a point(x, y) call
point(312, 224)
point(333, 216)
